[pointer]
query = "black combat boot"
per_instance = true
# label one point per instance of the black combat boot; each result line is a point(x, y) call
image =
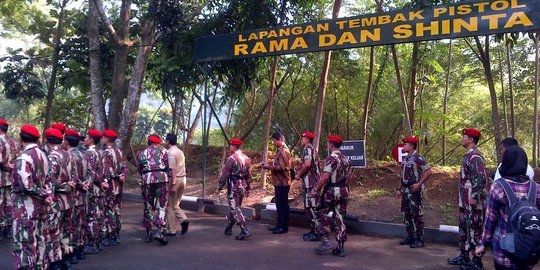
point(80, 254)
point(148, 237)
point(90, 249)
point(418, 243)
point(160, 238)
point(72, 258)
point(407, 241)
point(325, 246)
point(66, 264)
point(340, 250)
point(7, 232)
point(474, 264)
point(313, 236)
point(462, 259)
point(228, 229)
point(55, 265)
point(244, 234)
point(117, 237)
point(185, 227)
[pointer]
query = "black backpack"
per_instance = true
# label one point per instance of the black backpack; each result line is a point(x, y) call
point(522, 241)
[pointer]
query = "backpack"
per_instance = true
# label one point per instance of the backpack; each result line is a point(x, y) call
point(522, 242)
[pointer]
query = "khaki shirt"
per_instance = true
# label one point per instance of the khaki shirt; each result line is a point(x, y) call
point(281, 176)
point(177, 161)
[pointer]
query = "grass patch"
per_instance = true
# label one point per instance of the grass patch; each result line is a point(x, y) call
point(377, 193)
point(447, 211)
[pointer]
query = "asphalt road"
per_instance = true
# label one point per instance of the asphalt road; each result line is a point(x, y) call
point(205, 247)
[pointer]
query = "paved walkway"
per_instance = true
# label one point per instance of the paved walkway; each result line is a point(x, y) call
point(205, 247)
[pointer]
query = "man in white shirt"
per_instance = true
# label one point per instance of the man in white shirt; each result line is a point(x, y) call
point(177, 165)
point(502, 148)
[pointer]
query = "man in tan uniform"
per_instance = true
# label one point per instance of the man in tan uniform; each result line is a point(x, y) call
point(177, 165)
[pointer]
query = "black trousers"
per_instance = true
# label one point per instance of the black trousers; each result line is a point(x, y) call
point(282, 205)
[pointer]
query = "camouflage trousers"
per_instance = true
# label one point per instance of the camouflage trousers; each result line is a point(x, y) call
point(411, 207)
point(335, 200)
point(94, 218)
point(471, 224)
point(60, 231)
point(235, 198)
point(5, 207)
point(155, 205)
point(112, 205)
point(29, 242)
point(80, 227)
point(311, 206)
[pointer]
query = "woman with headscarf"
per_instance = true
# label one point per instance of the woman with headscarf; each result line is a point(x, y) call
point(513, 169)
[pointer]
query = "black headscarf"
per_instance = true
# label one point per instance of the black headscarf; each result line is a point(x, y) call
point(514, 164)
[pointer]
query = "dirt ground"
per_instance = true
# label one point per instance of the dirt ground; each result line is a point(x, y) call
point(372, 188)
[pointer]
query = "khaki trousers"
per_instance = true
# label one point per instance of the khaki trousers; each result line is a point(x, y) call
point(174, 211)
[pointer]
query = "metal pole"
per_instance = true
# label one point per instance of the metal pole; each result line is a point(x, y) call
point(206, 68)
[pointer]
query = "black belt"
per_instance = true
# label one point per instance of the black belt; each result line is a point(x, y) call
point(157, 170)
point(340, 184)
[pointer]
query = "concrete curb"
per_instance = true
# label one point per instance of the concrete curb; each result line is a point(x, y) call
point(298, 217)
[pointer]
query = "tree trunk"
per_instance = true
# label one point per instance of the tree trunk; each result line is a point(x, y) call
point(445, 102)
point(209, 124)
point(322, 84)
point(401, 91)
point(55, 62)
point(365, 117)
point(268, 123)
point(503, 97)
point(191, 131)
point(96, 77)
point(536, 86)
point(484, 58)
point(227, 127)
point(119, 85)
point(129, 117)
point(412, 88)
point(511, 88)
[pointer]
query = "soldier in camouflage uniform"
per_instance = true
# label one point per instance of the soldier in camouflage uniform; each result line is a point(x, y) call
point(79, 174)
point(60, 213)
point(414, 172)
point(472, 195)
point(8, 151)
point(96, 185)
point(237, 177)
point(115, 171)
point(153, 167)
point(30, 196)
point(309, 174)
point(334, 197)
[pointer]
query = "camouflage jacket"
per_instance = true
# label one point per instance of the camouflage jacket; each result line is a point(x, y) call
point(79, 174)
point(114, 166)
point(338, 166)
point(30, 184)
point(313, 175)
point(94, 156)
point(8, 150)
point(413, 167)
point(153, 165)
point(472, 178)
point(236, 172)
point(60, 175)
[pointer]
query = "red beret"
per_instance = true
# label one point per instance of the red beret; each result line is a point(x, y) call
point(308, 135)
point(30, 130)
point(236, 142)
point(94, 133)
point(110, 133)
point(4, 122)
point(72, 132)
point(53, 132)
point(154, 139)
point(59, 126)
point(410, 139)
point(335, 138)
point(471, 132)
